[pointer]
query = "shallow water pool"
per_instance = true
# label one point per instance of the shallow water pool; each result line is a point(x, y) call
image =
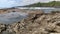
point(12, 17)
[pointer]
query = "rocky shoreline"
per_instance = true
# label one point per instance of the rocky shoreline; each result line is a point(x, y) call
point(36, 23)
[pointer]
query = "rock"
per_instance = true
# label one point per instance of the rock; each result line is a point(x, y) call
point(2, 27)
point(54, 33)
point(36, 23)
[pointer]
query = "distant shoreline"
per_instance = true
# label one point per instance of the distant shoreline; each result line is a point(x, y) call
point(30, 8)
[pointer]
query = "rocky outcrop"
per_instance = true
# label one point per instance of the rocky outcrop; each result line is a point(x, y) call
point(2, 27)
point(36, 23)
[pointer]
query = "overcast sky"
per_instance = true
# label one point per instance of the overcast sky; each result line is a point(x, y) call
point(11, 3)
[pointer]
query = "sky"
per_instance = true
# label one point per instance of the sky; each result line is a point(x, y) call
point(11, 3)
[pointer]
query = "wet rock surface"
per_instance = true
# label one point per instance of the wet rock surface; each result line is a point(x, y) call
point(36, 23)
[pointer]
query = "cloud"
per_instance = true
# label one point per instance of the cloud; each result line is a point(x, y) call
point(26, 2)
point(11, 3)
point(8, 3)
point(57, 0)
point(46, 0)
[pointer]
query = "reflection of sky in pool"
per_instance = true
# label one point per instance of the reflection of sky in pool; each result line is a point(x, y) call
point(12, 17)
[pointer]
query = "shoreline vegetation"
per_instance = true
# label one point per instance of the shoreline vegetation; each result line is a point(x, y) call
point(37, 22)
point(49, 4)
